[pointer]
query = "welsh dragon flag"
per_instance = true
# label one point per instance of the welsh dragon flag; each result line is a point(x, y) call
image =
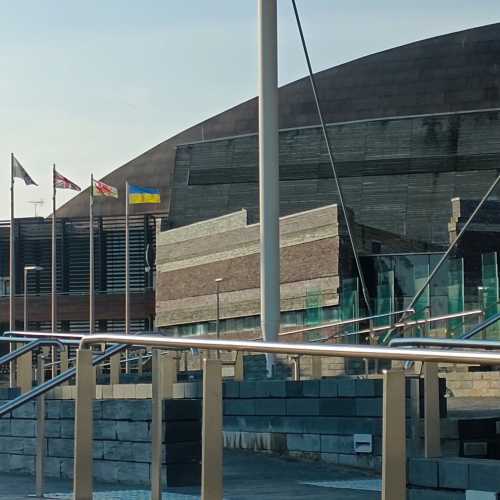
point(102, 189)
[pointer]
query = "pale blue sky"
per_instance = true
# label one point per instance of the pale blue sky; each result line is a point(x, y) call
point(91, 84)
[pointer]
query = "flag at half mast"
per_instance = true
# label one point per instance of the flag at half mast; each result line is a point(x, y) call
point(101, 189)
point(19, 172)
point(137, 195)
point(61, 182)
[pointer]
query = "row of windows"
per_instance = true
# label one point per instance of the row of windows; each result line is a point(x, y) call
point(289, 319)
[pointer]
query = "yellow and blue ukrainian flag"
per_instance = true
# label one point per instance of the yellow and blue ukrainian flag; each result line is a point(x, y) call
point(137, 194)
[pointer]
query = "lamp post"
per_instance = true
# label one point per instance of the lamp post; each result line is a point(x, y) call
point(217, 288)
point(217, 320)
point(27, 269)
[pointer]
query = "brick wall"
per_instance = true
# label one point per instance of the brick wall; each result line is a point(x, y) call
point(190, 258)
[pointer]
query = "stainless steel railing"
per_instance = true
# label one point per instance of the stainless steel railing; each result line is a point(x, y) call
point(430, 357)
point(394, 451)
point(28, 347)
point(456, 343)
point(347, 351)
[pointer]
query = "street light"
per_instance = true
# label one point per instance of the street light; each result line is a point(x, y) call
point(217, 285)
point(217, 322)
point(27, 269)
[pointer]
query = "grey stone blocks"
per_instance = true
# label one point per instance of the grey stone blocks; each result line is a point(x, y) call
point(122, 440)
point(452, 477)
point(314, 417)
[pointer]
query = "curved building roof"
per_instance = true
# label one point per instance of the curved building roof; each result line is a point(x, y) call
point(450, 73)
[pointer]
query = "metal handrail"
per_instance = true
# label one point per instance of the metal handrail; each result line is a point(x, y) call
point(41, 389)
point(348, 351)
point(343, 323)
point(13, 355)
point(249, 346)
point(23, 340)
point(407, 324)
point(434, 342)
point(482, 326)
point(44, 334)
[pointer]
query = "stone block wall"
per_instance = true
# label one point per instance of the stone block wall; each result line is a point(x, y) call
point(452, 478)
point(122, 441)
point(312, 418)
point(473, 384)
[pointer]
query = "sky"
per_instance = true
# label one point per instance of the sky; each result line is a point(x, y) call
point(91, 84)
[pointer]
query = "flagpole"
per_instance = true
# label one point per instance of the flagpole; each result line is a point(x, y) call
point(12, 285)
point(54, 266)
point(91, 264)
point(127, 265)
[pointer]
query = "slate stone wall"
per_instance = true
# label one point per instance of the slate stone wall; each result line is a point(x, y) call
point(122, 441)
point(451, 478)
point(312, 418)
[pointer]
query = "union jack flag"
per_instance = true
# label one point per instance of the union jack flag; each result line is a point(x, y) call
point(102, 189)
point(62, 182)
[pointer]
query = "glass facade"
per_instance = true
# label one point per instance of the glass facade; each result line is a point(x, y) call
point(392, 281)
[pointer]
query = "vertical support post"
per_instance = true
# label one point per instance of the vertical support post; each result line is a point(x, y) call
point(432, 420)
point(25, 372)
point(212, 443)
point(394, 436)
point(63, 361)
point(54, 269)
point(316, 368)
point(158, 382)
point(164, 376)
point(296, 368)
point(127, 273)
point(25, 362)
point(12, 278)
point(239, 367)
point(115, 369)
point(91, 259)
point(139, 362)
point(269, 190)
point(40, 431)
point(85, 392)
point(415, 416)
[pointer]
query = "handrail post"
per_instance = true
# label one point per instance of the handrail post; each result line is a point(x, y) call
point(25, 372)
point(316, 367)
point(394, 436)
point(63, 360)
point(85, 392)
point(164, 374)
point(296, 368)
point(139, 362)
point(115, 368)
point(414, 387)
point(212, 442)
point(432, 420)
point(157, 383)
point(239, 367)
point(40, 431)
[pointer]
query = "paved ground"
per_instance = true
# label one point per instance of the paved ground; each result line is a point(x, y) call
point(246, 476)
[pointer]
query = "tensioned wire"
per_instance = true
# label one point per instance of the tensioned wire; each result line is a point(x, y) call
point(332, 162)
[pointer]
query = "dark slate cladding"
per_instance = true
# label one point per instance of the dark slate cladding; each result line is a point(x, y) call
point(398, 174)
point(449, 73)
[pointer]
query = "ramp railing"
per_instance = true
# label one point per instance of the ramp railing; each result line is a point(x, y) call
point(394, 424)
